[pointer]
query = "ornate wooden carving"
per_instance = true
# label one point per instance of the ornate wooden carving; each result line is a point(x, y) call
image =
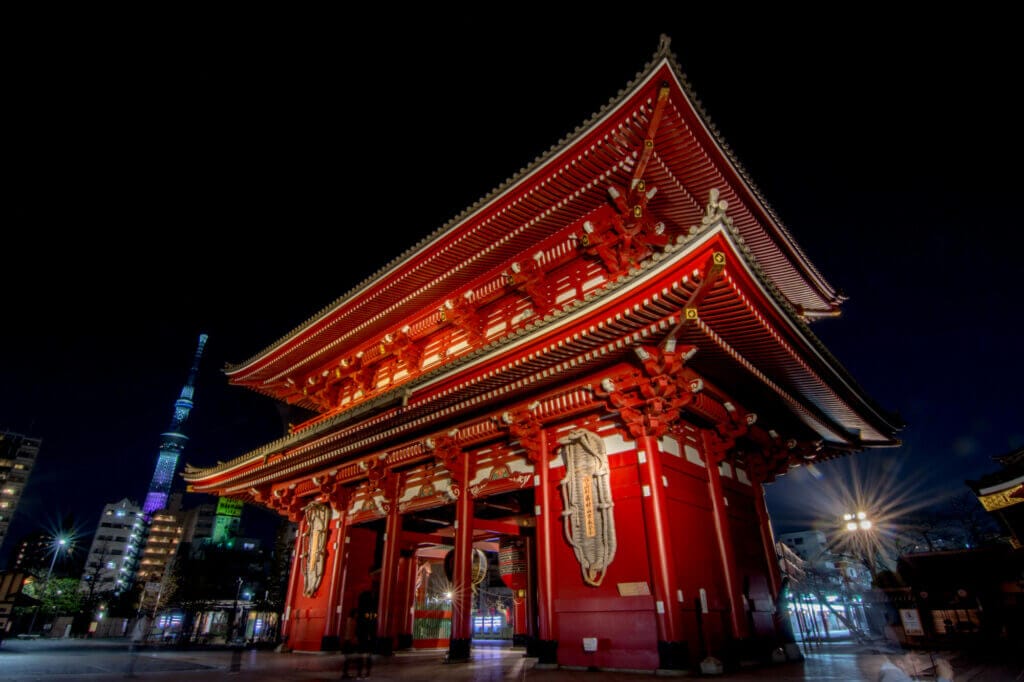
point(332, 491)
point(624, 233)
point(524, 427)
point(261, 494)
point(462, 313)
point(528, 277)
point(650, 401)
point(285, 502)
point(448, 452)
point(374, 469)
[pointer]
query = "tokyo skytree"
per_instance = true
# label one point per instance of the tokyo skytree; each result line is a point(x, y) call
point(172, 441)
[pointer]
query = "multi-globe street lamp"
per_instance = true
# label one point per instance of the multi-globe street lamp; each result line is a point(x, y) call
point(58, 544)
point(860, 524)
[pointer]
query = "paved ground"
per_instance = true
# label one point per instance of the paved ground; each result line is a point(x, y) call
point(93, 660)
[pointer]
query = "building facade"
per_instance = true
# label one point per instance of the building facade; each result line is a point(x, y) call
point(810, 545)
point(156, 567)
point(113, 559)
point(585, 379)
point(18, 454)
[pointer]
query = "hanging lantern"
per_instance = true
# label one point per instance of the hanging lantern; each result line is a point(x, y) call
point(479, 570)
point(512, 562)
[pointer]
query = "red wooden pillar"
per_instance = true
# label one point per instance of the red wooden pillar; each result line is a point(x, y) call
point(547, 526)
point(338, 499)
point(293, 579)
point(389, 567)
point(714, 453)
point(529, 605)
point(672, 651)
point(462, 573)
point(767, 539)
point(524, 427)
point(409, 598)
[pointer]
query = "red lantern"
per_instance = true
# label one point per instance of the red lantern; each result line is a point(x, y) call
point(512, 562)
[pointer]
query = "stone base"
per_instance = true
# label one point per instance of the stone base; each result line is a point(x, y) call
point(793, 652)
point(672, 655)
point(458, 650)
point(547, 651)
point(711, 666)
point(384, 646)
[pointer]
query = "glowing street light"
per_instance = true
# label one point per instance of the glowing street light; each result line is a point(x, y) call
point(58, 544)
point(858, 521)
point(861, 522)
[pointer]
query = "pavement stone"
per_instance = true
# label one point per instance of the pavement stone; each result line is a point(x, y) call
point(81, 660)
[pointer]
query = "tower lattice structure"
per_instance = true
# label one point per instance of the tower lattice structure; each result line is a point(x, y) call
point(172, 441)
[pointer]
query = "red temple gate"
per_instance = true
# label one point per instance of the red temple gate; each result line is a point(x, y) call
point(596, 370)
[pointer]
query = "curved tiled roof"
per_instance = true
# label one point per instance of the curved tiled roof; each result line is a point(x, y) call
point(550, 191)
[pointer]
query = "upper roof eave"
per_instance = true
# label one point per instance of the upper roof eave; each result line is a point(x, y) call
point(809, 276)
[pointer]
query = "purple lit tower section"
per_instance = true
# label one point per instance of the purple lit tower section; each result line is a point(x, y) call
point(172, 441)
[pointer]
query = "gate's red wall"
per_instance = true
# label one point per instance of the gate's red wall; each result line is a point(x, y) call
point(309, 614)
point(624, 625)
point(750, 557)
point(694, 548)
point(360, 555)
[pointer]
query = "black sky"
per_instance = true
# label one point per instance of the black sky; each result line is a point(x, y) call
point(181, 177)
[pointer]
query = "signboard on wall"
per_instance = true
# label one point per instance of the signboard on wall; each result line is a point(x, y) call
point(227, 506)
point(911, 619)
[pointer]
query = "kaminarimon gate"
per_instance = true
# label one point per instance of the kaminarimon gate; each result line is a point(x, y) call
point(554, 416)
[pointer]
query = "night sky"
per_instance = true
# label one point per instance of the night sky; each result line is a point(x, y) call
point(235, 179)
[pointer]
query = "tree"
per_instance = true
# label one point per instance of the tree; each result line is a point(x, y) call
point(976, 522)
point(60, 596)
point(958, 523)
point(57, 596)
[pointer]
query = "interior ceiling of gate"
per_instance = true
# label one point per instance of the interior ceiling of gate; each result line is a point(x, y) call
point(494, 516)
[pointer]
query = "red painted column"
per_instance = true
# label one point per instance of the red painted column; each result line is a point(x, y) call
point(409, 600)
point(767, 539)
point(462, 572)
point(388, 571)
point(529, 605)
point(719, 515)
point(659, 554)
point(546, 524)
point(293, 579)
point(545, 581)
point(338, 500)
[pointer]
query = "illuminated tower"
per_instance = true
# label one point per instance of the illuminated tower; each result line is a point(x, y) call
point(172, 441)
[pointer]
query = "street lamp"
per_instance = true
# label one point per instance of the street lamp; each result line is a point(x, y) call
point(58, 545)
point(861, 522)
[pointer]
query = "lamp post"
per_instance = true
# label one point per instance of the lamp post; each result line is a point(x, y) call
point(234, 609)
point(58, 545)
